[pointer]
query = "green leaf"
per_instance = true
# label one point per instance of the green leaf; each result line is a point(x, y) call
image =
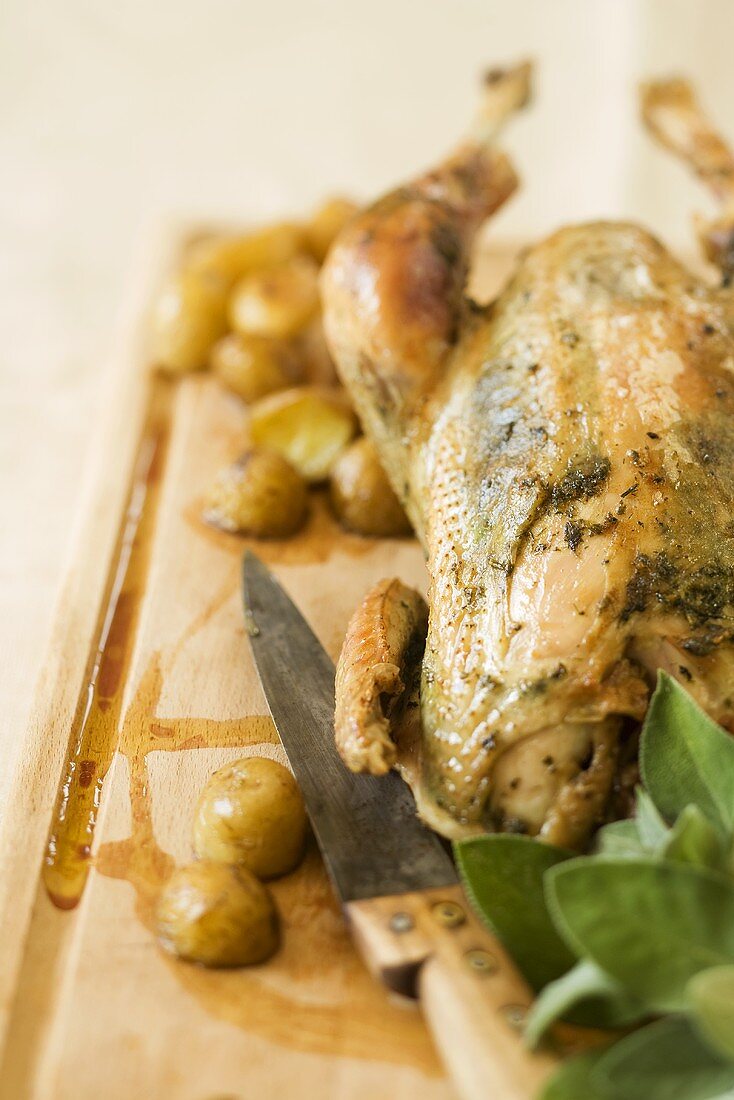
point(573, 1080)
point(620, 838)
point(503, 876)
point(685, 757)
point(663, 1061)
point(693, 839)
point(650, 924)
point(651, 829)
point(711, 994)
point(606, 1002)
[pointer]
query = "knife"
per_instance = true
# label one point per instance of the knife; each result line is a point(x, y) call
point(394, 877)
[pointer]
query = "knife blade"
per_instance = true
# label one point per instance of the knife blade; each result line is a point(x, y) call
point(397, 883)
point(370, 836)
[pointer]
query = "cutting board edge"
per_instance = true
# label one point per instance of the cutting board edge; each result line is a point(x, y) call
point(109, 465)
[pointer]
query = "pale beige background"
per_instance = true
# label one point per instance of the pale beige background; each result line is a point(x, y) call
point(113, 115)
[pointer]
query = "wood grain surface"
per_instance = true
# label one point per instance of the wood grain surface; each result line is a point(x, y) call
point(148, 687)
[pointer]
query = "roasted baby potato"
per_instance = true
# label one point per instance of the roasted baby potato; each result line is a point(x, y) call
point(362, 497)
point(276, 301)
point(255, 366)
point(216, 915)
point(189, 316)
point(251, 813)
point(307, 425)
point(230, 258)
point(260, 494)
point(326, 223)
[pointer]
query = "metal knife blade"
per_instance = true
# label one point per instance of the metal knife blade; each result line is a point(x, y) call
point(370, 836)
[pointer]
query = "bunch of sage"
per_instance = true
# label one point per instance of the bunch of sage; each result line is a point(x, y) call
point(639, 934)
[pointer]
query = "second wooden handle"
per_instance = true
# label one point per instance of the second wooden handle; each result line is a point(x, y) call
point(431, 945)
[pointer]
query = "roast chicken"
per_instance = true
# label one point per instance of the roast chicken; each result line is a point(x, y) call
point(566, 457)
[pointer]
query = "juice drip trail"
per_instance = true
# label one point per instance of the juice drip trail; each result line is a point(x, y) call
point(95, 727)
point(138, 859)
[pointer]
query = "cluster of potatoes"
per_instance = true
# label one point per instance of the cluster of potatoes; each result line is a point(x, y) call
point(249, 826)
point(247, 308)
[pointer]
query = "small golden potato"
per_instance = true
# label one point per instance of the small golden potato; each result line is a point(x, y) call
point(189, 315)
point(251, 813)
point(260, 494)
point(255, 366)
point(216, 915)
point(307, 425)
point(326, 223)
point(276, 301)
point(232, 257)
point(362, 497)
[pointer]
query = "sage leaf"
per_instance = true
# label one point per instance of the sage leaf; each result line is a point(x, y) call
point(711, 995)
point(685, 757)
point(693, 839)
point(503, 877)
point(663, 1061)
point(619, 838)
point(651, 829)
point(607, 1003)
point(651, 924)
point(573, 1080)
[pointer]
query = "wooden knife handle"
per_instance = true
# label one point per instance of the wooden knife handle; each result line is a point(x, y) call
point(430, 945)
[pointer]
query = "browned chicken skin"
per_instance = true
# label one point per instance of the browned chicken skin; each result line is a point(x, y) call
point(383, 641)
point(566, 455)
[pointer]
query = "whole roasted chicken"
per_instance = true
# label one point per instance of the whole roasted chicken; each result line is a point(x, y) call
point(566, 457)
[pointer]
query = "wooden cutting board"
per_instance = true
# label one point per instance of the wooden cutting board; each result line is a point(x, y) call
point(148, 687)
